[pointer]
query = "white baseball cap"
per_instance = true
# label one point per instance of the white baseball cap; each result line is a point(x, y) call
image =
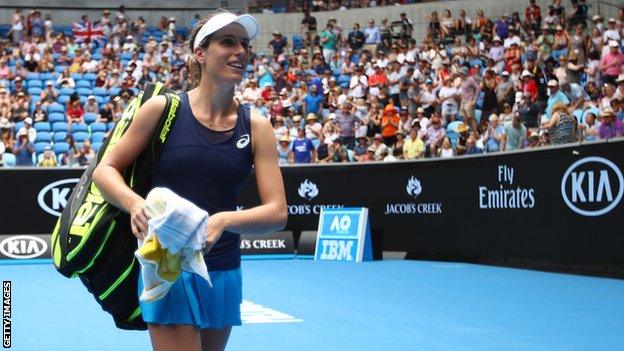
point(223, 19)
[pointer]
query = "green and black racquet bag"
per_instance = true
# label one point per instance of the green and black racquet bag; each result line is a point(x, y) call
point(93, 240)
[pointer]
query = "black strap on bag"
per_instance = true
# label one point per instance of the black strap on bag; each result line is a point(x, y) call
point(92, 239)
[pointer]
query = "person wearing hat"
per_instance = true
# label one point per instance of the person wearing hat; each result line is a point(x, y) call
point(328, 40)
point(313, 128)
point(469, 91)
point(91, 106)
point(278, 44)
point(223, 141)
point(561, 43)
point(611, 32)
point(302, 149)
point(23, 148)
point(556, 96)
point(283, 149)
point(611, 63)
point(610, 127)
point(504, 89)
point(372, 37)
point(378, 146)
point(528, 84)
point(309, 29)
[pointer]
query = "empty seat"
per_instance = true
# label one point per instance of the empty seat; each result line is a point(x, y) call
point(33, 91)
point(84, 91)
point(66, 91)
point(96, 146)
point(43, 127)
point(80, 136)
point(97, 127)
point(40, 147)
point(83, 84)
point(98, 91)
point(79, 127)
point(60, 147)
point(56, 117)
point(89, 76)
point(59, 136)
point(98, 137)
point(43, 137)
point(34, 83)
point(90, 117)
point(55, 107)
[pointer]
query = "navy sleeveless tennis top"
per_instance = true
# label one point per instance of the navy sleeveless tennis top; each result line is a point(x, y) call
point(210, 174)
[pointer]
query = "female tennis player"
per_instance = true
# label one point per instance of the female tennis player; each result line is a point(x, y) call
point(207, 159)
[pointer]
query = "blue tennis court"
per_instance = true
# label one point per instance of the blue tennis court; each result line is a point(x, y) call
point(381, 305)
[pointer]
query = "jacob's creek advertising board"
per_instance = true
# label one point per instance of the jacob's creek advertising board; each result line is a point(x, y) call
point(561, 204)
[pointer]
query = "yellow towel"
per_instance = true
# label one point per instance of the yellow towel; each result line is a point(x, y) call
point(168, 265)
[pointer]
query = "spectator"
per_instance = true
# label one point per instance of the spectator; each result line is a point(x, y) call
point(556, 96)
point(347, 122)
point(48, 158)
point(469, 91)
point(611, 63)
point(85, 154)
point(278, 44)
point(309, 28)
point(494, 136)
point(302, 149)
point(610, 127)
point(561, 126)
point(313, 128)
point(74, 112)
point(23, 149)
point(356, 38)
point(373, 37)
point(446, 151)
point(434, 135)
point(91, 106)
point(283, 149)
point(338, 152)
point(413, 147)
point(515, 133)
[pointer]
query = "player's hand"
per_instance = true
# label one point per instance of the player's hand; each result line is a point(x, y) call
point(138, 219)
point(214, 228)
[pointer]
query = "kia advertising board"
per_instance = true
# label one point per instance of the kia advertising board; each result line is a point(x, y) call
point(561, 204)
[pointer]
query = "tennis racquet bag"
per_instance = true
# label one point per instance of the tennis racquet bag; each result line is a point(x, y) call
point(93, 240)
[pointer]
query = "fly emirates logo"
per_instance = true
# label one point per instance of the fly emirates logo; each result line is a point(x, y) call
point(506, 195)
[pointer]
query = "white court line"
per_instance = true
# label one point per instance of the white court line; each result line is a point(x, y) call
point(253, 313)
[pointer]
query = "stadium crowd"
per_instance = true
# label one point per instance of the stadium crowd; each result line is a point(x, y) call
point(335, 92)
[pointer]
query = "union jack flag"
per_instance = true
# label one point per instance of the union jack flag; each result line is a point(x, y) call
point(87, 32)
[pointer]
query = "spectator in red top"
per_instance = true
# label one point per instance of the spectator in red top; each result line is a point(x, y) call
point(74, 111)
point(378, 78)
point(528, 84)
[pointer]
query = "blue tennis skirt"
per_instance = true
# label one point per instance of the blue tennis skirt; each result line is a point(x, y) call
point(192, 301)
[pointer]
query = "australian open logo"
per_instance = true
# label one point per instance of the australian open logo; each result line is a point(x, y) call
point(592, 186)
point(413, 188)
point(243, 141)
point(308, 190)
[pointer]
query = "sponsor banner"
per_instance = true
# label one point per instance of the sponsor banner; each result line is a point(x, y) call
point(24, 247)
point(280, 243)
point(561, 204)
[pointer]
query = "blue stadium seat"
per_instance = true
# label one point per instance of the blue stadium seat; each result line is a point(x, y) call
point(84, 91)
point(80, 136)
point(97, 127)
point(297, 42)
point(79, 127)
point(63, 99)
point(99, 99)
point(96, 146)
point(43, 137)
point(76, 76)
point(99, 91)
point(110, 125)
point(83, 99)
point(55, 107)
point(18, 125)
point(60, 127)
point(97, 56)
point(344, 79)
point(59, 136)
point(34, 83)
point(126, 56)
point(60, 147)
point(89, 76)
point(32, 75)
point(83, 84)
point(42, 127)
point(8, 159)
point(114, 91)
point(34, 91)
point(90, 118)
point(98, 136)
point(47, 76)
point(67, 91)
point(59, 69)
point(40, 147)
point(56, 117)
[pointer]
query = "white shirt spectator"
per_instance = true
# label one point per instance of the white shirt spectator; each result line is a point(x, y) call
point(358, 86)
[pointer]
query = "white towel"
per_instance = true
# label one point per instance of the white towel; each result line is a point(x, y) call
point(175, 241)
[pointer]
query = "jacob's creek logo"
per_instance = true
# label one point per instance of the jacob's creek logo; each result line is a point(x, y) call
point(413, 188)
point(505, 196)
point(308, 190)
point(592, 186)
point(23, 246)
point(53, 197)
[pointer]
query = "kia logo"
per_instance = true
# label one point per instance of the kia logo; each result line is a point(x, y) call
point(23, 247)
point(53, 197)
point(592, 186)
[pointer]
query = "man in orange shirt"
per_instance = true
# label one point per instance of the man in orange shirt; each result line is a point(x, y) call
point(378, 79)
point(389, 124)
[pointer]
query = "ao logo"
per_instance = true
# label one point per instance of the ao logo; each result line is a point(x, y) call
point(243, 141)
point(53, 197)
point(308, 190)
point(340, 224)
point(23, 247)
point(592, 186)
point(413, 187)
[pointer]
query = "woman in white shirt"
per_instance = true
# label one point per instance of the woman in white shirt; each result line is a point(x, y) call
point(448, 96)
